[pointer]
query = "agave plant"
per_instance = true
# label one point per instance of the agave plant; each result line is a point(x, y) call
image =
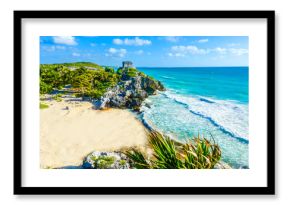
point(198, 153)
point(165, 152)
point(138, 159)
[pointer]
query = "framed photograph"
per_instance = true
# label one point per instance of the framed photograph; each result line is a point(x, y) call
point(144, 102)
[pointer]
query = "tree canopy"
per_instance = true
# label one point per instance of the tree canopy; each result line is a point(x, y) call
point(88, 79)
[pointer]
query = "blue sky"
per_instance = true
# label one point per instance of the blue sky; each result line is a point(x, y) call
point(147, 51)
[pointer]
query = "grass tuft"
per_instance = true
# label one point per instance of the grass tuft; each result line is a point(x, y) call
point(103, 162)
point(43, 106)
point(57, 97)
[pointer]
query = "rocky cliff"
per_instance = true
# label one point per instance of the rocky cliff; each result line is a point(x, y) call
point(130, 92)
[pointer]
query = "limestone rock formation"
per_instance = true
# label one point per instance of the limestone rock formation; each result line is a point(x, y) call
point(130, 92)
point(106, 160)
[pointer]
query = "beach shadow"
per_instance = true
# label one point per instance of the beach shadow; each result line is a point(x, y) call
point(46, 99)
point(75, 100)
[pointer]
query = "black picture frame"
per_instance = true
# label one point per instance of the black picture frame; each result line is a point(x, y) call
point(268, 190)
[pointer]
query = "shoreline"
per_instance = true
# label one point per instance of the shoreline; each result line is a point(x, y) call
point(72, 129)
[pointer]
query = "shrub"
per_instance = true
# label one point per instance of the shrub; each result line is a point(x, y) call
point(81, 76)
point(122, 162)
point(45, 88)
point(43, 106)
point(57, 97)
point(198, 153)
point(109, 70)
point(127, 73)
point(142, 74)
point(119, 71)
point(104, 162)
point(95, 93)
point(131, 72)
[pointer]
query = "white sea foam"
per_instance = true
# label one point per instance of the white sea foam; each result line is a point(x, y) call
point(230, 116)
point(167, 77)
point(182, 117)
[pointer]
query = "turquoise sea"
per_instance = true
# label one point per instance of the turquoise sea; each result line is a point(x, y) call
point(210, 101)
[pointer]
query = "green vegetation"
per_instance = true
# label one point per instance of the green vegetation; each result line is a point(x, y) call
point(109, 70)
point(91, 81)
point(82, 64)
point(198, 153)
point(127, 73)
point(131, 72)
point(122, 162)
point(43, 106)
point(139, 161)
point(57, 97)
point(87, 79)
point(104, 162)
point(45, 87)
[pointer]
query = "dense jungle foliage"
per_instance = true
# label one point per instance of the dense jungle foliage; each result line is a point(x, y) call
point(86, 79)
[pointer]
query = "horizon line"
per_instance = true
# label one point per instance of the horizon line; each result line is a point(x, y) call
point(187, 66)
point(153, 66)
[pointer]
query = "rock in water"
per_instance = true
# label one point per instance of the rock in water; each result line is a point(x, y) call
point(106, 160)
point(130, 92)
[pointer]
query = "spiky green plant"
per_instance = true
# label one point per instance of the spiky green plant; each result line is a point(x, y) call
point(197, 153)
point(201, 154)
point(165, 152)
point(138, 159)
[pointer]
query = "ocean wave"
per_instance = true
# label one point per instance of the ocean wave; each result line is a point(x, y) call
point(147, 123)
point(228, 116)
point(167, 77)
point(205, 100)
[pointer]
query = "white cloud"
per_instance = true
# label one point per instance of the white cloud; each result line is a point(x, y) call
point(118, 41)
point(48, 48)
point(181, 51)
point(203, 40)
point(93, 44)
point(176, 54)
point(76, 54)
point(233, 44)
point(172, 39)
point(66, 40)
point(238, 51)
point(220, 50)
point(233, 51)
point(53, 48)
point(116, 52)
point(139, 52)
point(132, 42)
point(60, 47)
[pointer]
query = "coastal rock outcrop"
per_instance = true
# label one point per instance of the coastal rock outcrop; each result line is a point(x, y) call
point(130, 92)
point(106, 160)
point(222, 165)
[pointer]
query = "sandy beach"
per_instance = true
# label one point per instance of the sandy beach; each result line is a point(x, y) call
point(68, 135)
